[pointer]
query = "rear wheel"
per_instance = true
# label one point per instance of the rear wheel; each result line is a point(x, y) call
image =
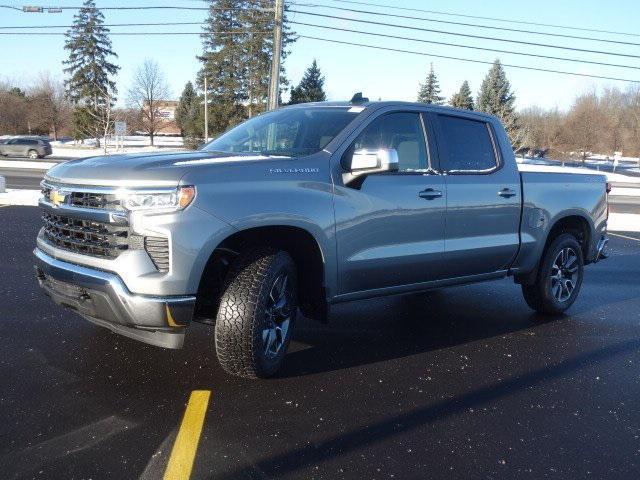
point(256, 314)
point(559, 277)
point(32, 154)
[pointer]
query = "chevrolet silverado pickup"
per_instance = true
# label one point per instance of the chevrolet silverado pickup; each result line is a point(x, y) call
point(301, 208)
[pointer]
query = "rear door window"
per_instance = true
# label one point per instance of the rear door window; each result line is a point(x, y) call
point(467, 145)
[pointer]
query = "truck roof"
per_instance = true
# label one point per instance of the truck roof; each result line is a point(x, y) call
point(390, 103)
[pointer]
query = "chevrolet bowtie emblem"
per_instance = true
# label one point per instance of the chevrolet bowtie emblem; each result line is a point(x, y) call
point(57, 197)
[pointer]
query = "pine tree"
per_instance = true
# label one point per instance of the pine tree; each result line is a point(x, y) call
point(237, 64)
point(190, 117)
point(90, 85)
point(223, 64)
point(463, 98)
point(430, 90)
point(310, 88)
point(495, 97)
point(188, 98)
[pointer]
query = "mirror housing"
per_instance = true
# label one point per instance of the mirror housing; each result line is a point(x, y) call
point(365, 162)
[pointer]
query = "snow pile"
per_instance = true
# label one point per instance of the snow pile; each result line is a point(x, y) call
point(20, 197)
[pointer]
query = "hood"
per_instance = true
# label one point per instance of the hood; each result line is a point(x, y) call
point(139, 169)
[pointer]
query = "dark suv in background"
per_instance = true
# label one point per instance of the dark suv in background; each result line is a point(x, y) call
point(25, 147)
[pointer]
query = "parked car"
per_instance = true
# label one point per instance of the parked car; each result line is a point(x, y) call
point(25, 147)
point(305, 207)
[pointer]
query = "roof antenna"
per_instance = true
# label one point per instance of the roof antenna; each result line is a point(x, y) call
point(358, 98)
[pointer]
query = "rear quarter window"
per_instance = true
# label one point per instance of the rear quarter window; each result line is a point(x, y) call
point(466, 144)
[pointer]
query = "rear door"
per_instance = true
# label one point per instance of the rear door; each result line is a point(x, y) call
point(390, 228)
point(483, 197)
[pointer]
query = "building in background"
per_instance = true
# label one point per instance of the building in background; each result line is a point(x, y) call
point(166, 110)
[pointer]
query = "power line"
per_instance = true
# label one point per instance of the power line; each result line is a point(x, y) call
point(412, 39)
point(34, 34)
point(468, 35)
point(23, 27)
point(494, 19)
point(464, 24)
point(389, 49)
point(147, 7)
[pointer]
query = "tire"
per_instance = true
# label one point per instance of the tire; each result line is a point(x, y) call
point(257, 311)
point(32, 154)
point(555, 289)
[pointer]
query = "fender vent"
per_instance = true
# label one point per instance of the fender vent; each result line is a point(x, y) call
point(158, 250)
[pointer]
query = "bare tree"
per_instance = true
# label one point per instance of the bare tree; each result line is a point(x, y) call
point(14, 109)
point(148, 90)
point(583, 124)
point(49, 108)
point(99, 121)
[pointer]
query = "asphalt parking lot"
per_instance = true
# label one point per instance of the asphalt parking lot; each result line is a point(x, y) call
point(460, 383)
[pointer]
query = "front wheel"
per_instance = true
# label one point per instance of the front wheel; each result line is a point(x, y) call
point(256, 313)
point(32, 154)
point(559, 277)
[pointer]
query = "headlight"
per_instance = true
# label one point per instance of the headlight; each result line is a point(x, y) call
point(175, 199)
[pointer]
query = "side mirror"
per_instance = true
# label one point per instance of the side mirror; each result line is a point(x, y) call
point(365, 162)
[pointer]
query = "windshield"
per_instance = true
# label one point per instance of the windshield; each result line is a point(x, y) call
point(288, 132)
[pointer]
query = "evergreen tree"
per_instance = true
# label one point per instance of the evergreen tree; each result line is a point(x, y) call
point(188, 99)
point(90, 85)
point(430, 90)
point(224, 64)
point(190, 117)
point(310, 87)
point(495, 97)
point(463, 98)
point(237, 51)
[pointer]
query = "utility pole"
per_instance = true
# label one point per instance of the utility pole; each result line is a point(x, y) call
point(206, 112)
point(274, 83)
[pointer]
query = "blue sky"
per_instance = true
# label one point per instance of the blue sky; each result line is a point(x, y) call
point(379, 74)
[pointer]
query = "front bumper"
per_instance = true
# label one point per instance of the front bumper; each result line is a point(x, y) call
point(103, 298)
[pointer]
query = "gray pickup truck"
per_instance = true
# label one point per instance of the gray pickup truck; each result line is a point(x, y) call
point(302, 208)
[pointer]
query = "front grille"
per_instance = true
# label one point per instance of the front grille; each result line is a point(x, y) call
point(85, 236)
point(95, 200)
point(100, 201)
point(158, 250)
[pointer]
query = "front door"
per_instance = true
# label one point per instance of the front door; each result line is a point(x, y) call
point(483, 197)
point(390, 228)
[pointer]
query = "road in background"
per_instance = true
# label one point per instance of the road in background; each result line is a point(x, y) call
point(22, 178)
point(461, 383)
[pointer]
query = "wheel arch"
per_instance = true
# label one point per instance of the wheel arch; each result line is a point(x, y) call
point(304, 247)
point(576, 222)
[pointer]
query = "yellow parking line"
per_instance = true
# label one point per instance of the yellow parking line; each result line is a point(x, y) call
point(186, 444)
point(624, 236)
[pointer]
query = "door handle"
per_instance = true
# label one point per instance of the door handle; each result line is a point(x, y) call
point(430, 194)
point(507, 193)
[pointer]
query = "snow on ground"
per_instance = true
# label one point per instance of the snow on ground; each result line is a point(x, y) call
point(79, 151)
point(609, 158)
point(20, 197)
point(131, 144)
point(611, 177)
point(624, 222)
point(26, 164)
